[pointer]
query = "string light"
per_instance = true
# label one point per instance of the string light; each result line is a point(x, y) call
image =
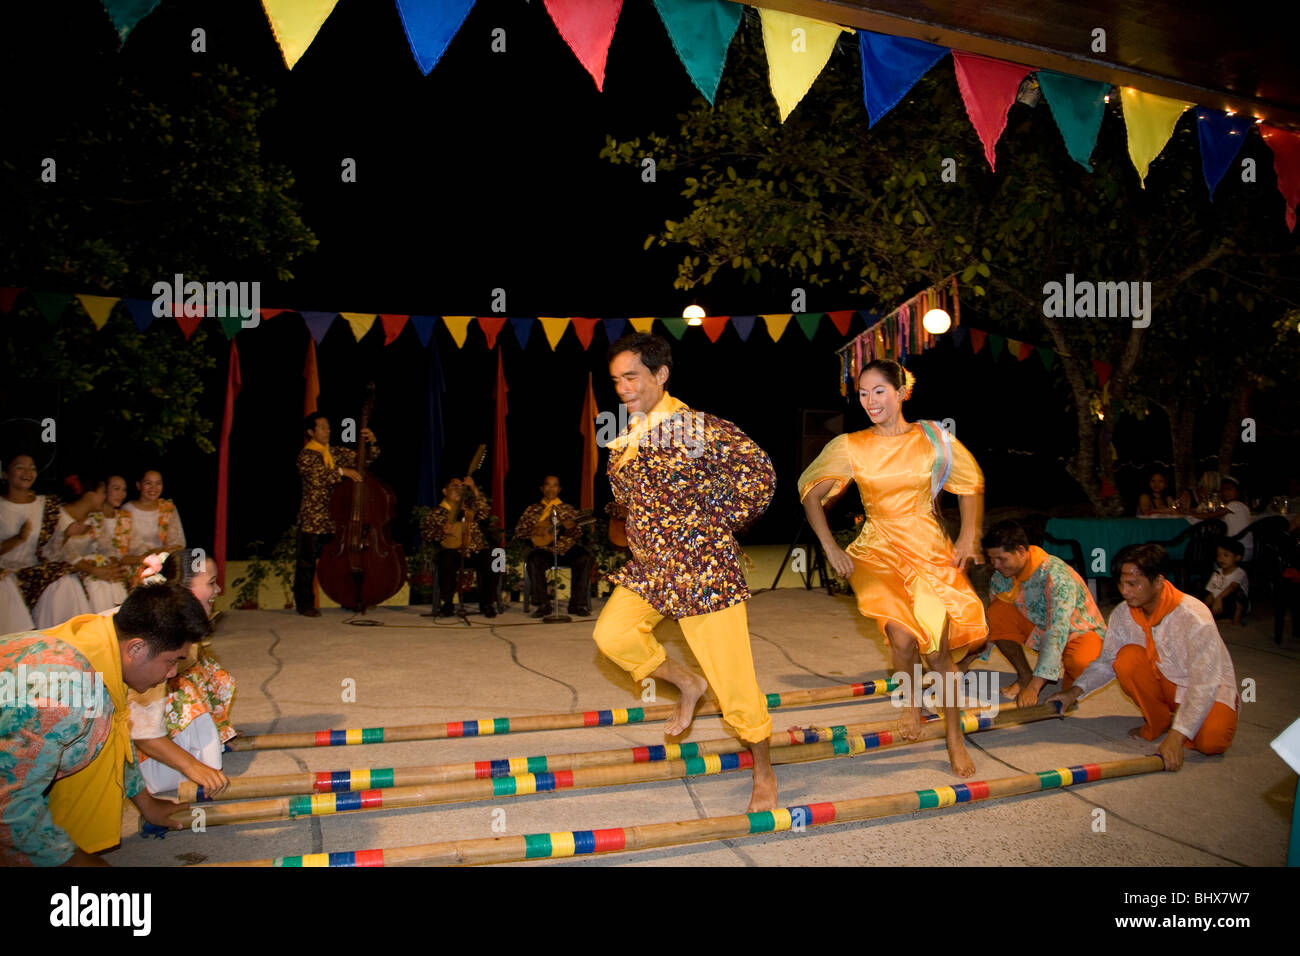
point(694, 315)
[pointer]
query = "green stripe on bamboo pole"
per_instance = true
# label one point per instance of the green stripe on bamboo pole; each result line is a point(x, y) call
point(623, 774)
point(284, 785)
point(649, 836)
point(514, 725)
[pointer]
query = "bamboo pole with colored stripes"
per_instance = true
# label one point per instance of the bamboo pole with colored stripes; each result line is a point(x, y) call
point(623, 774)
point(343, 781)
point(515, 725)
point(541, 846)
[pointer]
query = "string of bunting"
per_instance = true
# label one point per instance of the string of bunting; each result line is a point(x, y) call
point(898, 333)
point(798, 49)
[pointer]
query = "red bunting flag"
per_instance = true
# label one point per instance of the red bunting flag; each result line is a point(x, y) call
point(977, 337)
point(1103, 371)
point(492, 326)
point(1286, 163)
point(7, 296)
point(713, 326)
point(271, 313)
point(584, 329)
point(187, 323)
point(393, 325)
point(988, 88)
point(588, 27)
point(842, 320)
point(1026, 350)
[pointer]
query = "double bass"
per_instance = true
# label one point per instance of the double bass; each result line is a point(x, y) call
point(362, 566)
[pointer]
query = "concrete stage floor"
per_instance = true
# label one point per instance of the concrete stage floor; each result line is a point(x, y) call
point(1232, 809)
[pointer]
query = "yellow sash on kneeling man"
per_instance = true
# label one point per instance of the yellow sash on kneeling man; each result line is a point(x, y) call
point(88, 803)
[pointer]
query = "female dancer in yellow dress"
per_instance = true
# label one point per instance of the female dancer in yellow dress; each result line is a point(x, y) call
point(906, 573)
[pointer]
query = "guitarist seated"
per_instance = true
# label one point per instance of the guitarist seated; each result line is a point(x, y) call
point(535, 524)
point(454, 524)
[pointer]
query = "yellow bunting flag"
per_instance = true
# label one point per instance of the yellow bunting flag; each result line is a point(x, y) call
point(797, 51)
point(360, 322)
point(98, 307)
point(295, 24)
point(776, 324)
point(458, 326)
point(554, 329)
point(642, 325)
point(1150, 121)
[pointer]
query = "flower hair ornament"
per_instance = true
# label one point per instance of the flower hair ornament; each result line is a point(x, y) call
point(151, 570)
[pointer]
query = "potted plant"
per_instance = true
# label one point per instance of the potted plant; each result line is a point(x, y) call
point(284, 560)
point(421, 560)
point(247, 586)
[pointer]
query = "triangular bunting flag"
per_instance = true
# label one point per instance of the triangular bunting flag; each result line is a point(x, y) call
point(98, 307)
point(295, 24)
point(614, 329)
point(988, 88)
point(458, 326)
point(808, 321)
point(1103, 371)
point(423, 325)
point(584, 329)
point(7, 296)
point(318, 323)
point(743, 324)
point(995, 344)
point(797, 51)
point(430, 25)
point(1048, 357)
point(1025, 350)
point(643, 324)
point(701, 32)
point(713, 326)
point(588, 27)
point(890, 67)
point(776, 323)
point(1220, 136)
point(491, 325)
point(361, 323)
point(393, 325)
point(675, 325)
point(1077, 106)
point(1286, 164)
point(842, 320)
point(553, 327)
point(977, 338)
point(959, 334)
point(272, 313)
point(523, 329)
point(188, 324)
point(52, 304)
point(231, 324)
point(125, 14)
point(141, 311)
point(1149, 121)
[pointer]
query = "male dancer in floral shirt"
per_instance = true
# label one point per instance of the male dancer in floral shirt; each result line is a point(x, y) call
point(689, 482)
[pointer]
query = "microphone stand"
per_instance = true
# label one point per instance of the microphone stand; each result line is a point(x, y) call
point(555, 617)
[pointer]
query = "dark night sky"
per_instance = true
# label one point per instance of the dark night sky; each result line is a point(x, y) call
point(485, 174)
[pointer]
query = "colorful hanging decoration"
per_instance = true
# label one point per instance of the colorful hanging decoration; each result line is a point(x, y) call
point(1150, 121)
point(701, 32)
point(295, 24)
point(588, 27)
point(797, 51)
point(1078, 106)
point(890, 67)
point(988, 88)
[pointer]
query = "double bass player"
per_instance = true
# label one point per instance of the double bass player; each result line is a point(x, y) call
point(321, 466)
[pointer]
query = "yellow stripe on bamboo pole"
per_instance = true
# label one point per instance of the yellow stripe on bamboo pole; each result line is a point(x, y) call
point(622, 774)
point(284, 785)
point(514, 725)
point(536, 846)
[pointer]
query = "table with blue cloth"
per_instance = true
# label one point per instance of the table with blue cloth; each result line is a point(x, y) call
point(1110, 535)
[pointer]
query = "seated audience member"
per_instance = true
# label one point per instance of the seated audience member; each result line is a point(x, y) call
point(535, 525)
point(456, 524)
point(155, 522)
point(1165, 651)
point(1039, 602)
point(75, 541)
point(66, 759)
point(1228, 592)
point(1159, 498)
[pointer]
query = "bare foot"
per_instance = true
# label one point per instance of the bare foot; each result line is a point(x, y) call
point(1011, 692)
point(688, 695)
point(764, 795)
point(909, 723)
point(962, 765)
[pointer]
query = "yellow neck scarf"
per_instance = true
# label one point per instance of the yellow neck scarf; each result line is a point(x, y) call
point(631, 439)
point(548, 507)
point(324, 450)
point(88, 803)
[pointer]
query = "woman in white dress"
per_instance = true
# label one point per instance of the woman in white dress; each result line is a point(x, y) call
point(74, 542)
point(33, 593)
point(155, 522)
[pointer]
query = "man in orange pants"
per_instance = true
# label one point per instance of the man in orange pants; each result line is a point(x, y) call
point(1163, 647)
point(1038, 601)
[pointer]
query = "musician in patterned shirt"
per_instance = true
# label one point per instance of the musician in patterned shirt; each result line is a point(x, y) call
point(456, 524)
point(321, 466)
point(690, 483)
point(535, 523)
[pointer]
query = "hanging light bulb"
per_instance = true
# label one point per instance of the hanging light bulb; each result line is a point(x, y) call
point(936, 321)
point(694, 315)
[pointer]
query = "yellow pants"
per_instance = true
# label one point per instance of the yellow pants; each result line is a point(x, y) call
point(720, 642)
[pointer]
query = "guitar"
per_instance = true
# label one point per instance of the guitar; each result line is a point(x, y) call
point(542, 535)
point(465, 577)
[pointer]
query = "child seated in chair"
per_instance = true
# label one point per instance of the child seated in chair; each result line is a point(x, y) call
point(1228, 590)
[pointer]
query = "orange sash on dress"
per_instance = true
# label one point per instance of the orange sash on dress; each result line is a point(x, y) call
point(1168, 600)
